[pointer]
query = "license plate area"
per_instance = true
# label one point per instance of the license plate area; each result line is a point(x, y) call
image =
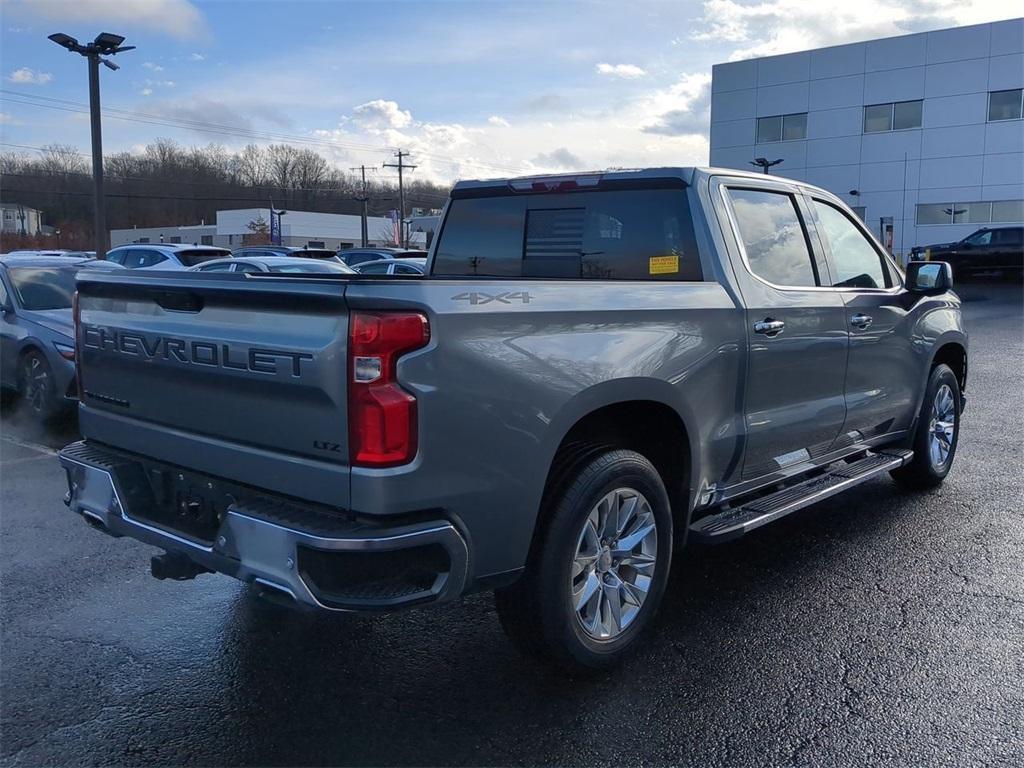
point(189, 503)
point(183, 502)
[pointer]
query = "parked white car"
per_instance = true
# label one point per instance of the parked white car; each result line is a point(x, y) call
point(164, 256)
point(283, 264)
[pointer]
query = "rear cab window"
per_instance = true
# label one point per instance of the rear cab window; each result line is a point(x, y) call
point(604, 234)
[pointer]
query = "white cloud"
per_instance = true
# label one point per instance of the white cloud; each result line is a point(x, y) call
point(177, 18)
point(772, 27)
point(560, 159)
point(625, 71)
point(501, 122)
point(152, 66)
point(381, 114)
point(147, 91)
point(197, 57)
point(26, 76)
point(684, 108)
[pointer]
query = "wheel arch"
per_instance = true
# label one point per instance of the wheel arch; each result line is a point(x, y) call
point(644, 416)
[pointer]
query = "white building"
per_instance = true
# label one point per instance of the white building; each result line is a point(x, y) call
point(20, 219)
point(298, 228)
point(922, 134)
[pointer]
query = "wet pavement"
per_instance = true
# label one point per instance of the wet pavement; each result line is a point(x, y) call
point(879, 627)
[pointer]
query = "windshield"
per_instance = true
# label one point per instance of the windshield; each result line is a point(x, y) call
point(191, 258)
point(43, 287)
point(316, 266)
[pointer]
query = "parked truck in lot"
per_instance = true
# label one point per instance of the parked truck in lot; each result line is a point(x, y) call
point(595, 370)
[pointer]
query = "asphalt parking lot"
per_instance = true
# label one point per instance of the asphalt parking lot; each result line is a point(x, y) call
point(876, 628)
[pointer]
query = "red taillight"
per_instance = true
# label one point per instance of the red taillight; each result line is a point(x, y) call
point(381, 415)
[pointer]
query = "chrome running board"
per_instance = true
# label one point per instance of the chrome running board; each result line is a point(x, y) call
point(736, 521)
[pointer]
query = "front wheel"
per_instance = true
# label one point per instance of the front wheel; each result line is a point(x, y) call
point(937, 433)
point(596, 577)
point(37, 386)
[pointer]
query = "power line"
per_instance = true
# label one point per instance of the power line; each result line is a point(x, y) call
point(46, 102)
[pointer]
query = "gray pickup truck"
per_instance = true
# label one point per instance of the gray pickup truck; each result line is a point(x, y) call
point(595, 370)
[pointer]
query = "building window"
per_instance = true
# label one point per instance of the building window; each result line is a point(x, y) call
point(1008, 210)
point(176, 239)
point(142, 240)
point(782, 128)
point(980, 212)
point(315, 244)
point(1006, 105)
point(206, 239)
point(897, 116)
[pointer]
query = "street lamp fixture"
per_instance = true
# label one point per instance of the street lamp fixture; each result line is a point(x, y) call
point(105, 44)
point(764, 163)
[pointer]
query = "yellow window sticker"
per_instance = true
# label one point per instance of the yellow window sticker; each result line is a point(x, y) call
point(663, 265)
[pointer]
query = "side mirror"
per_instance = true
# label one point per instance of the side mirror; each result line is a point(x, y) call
point(929, 277)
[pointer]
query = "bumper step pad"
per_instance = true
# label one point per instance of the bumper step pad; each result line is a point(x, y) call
point(736, 521)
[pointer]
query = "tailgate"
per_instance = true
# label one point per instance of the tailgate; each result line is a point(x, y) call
point(239, 377)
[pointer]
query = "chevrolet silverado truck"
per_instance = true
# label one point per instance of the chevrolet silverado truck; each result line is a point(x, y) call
point(595, 370)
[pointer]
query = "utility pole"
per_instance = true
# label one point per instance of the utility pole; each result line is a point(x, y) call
point(363, 198)
point(105, 44)
point(401, 193)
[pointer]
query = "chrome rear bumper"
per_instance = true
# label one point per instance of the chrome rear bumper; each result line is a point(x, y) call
point(319, 564)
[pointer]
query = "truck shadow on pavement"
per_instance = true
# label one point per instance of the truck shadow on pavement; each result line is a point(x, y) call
point(442, 686)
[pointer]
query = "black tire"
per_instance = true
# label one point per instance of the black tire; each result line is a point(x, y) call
point(37, 387)
point(924, 470)
point(537, 612)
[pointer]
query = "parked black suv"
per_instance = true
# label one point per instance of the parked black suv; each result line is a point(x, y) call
point(990, 249)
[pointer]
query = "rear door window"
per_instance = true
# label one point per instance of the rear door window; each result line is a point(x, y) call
point(378, 268)
point(147, 258)
point(638, 234)
point(773, 237)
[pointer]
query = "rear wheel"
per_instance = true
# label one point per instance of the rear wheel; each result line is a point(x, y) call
point(596, 577)
point(37, 386)
point(938, 429)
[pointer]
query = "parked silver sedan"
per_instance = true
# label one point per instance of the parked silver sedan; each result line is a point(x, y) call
point(283, 264)
point(403, 266)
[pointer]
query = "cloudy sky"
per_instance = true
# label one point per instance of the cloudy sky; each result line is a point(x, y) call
point(470, 88)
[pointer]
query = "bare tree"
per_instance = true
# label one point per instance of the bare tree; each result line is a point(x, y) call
point(252, 166)
point(61, 159)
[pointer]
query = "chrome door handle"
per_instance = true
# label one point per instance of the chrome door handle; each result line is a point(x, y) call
point(769, 327)
point(861, 321)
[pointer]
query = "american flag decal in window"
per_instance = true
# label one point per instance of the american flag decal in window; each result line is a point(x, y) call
point(553, 233)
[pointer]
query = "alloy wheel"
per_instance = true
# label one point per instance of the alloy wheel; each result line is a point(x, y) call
point(36, 385)
point(942, 426)
point(614, 562)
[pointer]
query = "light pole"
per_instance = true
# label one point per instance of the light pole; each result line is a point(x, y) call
point(105, 44)
point(764, 163)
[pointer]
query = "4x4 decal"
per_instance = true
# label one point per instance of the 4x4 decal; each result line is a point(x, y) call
point(476, 297)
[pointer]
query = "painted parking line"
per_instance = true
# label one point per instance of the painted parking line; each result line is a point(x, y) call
point(32, 446)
